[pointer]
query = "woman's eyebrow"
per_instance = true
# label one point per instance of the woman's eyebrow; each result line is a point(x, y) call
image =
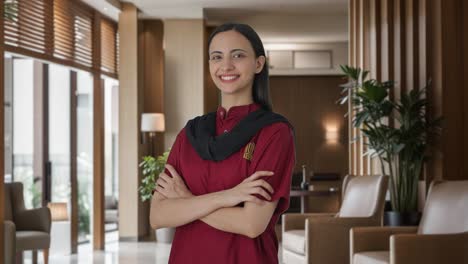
point(234, 50)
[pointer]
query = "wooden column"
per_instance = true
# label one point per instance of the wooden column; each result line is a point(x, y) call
point(98, 137)
point(2, 147)
point(129, 121)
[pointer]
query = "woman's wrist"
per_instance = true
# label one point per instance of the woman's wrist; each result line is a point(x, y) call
point(220, 198)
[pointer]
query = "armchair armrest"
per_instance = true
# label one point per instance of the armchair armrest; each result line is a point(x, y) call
point(440, 248)
point(375, 238)
point(38, 219)
point(9, 242)
point(328, 238)
point(297, 221)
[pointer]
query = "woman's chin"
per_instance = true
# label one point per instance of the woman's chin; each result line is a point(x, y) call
point(230, 90)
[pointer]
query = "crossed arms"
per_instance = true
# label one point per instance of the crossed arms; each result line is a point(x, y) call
point(174, 205)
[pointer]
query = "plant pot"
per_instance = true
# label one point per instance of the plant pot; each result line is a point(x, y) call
point(165, 235)
point(393, 218)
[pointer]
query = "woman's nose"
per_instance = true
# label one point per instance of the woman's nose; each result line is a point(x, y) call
point(226, 64)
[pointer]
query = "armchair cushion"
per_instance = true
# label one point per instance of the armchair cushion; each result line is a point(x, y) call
point(294, 240)
point(29, 240)
point(361, 197)
point(372, 257)
point(42, 220)
point(438, 217)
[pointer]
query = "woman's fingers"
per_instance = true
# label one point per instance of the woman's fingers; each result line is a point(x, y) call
point(263, 184)
point(258, 174)
point(165, 177)
point(173, 172)
point(261, 191)
point(255, 200)
point(161, 190)
point(162, 183)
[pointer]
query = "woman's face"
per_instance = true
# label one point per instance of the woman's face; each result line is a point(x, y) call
point(233, 64)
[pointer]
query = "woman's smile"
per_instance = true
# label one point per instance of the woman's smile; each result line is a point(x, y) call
point(229, 78)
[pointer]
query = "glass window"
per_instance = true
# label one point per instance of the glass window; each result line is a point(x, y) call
point(23, 128)
point(59, 132)
point(111, 99)
point(84, 114)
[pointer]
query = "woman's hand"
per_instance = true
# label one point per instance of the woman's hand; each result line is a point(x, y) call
point(244, 192)
point(172, 187)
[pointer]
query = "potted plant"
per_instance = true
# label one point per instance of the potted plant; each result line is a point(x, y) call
point(151, 168)
point(398, 132)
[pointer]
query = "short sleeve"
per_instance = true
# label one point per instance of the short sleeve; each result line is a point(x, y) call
point(174, 154)
point(275, 151)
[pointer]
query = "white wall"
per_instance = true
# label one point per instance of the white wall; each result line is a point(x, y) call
point(339, 51)
point(183, 74)
point(286, 28)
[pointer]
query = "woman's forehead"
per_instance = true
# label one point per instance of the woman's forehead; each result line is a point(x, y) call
point(228, 41)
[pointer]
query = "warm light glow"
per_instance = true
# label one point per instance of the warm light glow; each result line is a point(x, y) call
point(58, 211)
point(332, 134)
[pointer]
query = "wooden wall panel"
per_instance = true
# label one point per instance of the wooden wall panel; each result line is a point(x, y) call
point(464, 84)
point(412, 41)
point(98, 140)
point(151, 79)
point(151, 75)
point(309, 103)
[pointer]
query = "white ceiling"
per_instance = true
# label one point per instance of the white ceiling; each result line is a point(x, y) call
point(194, 8)
point(276, 21)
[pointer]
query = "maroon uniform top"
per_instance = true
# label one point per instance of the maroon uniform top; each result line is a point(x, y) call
point(198, 242)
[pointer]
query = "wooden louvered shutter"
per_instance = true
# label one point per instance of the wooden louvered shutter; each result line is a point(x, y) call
point(83, 34)
point(108, 46)
point(27, 29)
point(61, 31)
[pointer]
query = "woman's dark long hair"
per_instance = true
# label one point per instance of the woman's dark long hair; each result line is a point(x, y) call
point(261, 87)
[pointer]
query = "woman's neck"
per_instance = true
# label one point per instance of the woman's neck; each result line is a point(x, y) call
point(229, 101)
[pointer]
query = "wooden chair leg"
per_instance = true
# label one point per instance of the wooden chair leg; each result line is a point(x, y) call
point(45, 252)
point(34, 256)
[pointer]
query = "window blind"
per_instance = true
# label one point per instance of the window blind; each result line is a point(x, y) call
point(60, 31)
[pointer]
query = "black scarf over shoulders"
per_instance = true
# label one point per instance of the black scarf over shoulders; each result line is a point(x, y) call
point(201, 133)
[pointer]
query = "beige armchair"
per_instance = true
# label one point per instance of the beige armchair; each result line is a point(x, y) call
point(32, 226)
point(324, 238)
point(9, 243)
point(442, 236)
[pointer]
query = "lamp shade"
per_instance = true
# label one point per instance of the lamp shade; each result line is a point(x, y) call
point(152, 122)
point(58, 211)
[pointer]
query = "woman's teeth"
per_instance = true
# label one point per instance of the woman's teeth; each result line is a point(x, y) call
point(229, 78)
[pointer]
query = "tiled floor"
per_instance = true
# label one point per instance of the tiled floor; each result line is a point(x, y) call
point(120, 252)
point(117, 253)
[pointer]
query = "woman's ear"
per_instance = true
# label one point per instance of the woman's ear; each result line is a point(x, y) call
point(260, 63)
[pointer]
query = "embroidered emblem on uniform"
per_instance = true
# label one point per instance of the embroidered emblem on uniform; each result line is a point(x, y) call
point(248, 152)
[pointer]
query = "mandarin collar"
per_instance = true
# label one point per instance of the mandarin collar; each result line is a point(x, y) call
point(238, 111)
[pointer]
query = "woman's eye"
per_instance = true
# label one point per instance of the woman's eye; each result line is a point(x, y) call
point(215, 57)
point(238, 55)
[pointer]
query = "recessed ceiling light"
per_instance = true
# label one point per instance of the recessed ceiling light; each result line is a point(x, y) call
point(105, 8)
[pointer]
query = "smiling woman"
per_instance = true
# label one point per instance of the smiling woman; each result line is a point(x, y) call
point(228, 174)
